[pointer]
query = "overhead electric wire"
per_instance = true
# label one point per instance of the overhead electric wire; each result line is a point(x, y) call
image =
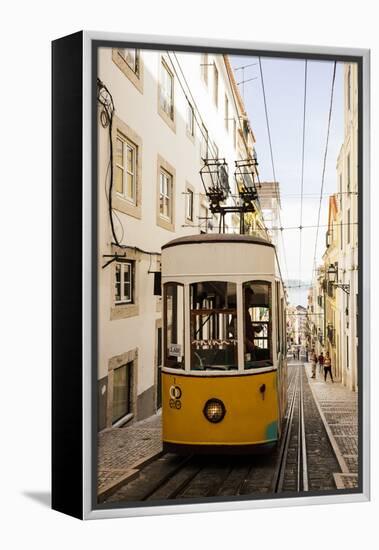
point(272, 159)
point(324, 161)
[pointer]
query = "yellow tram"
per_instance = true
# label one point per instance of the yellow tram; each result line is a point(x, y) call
point(224, 374)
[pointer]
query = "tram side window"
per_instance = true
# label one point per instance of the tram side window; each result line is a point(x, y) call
point(174, 325)
point(257, 324)
point(214, 326)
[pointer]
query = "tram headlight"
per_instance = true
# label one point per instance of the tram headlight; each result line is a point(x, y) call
point(214, 410)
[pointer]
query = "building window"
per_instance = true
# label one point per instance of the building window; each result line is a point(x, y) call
point(124, 283)
point(340, 191)
point(215, 85)
point(121, 405)
point(131, 57)
point(190, 120)
point(165, 195)
point(189, 204)
point(341, 236)
point(204, 67)
point(226, 113)
point(165, 209)
point(167, 91)
point(129, 61)
point(234, 134)
point(126, 168)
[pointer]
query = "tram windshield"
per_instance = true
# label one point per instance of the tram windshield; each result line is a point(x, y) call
point(257, 324)
point(213, 326)
point(174, 323)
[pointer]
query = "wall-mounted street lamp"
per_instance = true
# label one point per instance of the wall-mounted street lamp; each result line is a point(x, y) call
point(333, 279)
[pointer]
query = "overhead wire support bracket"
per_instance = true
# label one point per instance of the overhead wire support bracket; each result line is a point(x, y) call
point(114, 258)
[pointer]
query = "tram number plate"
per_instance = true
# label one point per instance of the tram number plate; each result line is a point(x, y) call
point(175, 395)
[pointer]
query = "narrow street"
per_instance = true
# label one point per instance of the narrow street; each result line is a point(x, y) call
point(318, 452)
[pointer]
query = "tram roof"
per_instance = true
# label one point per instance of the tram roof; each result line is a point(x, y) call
point(217, 238)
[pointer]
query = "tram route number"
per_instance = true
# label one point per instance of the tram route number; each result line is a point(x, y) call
point(175, 395)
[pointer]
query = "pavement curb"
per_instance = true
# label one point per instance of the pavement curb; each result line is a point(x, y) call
point(340, 459)
point(131, 473)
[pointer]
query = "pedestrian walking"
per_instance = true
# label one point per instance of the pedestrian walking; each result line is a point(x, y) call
point(328, 366)
point(313, 359)
point(294, 352)
point(298, 353)
point(321, 360)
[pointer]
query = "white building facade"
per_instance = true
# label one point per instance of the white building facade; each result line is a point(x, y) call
point(347, 174)
point(171, 109)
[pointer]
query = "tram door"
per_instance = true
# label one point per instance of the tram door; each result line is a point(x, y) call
point(159, 367)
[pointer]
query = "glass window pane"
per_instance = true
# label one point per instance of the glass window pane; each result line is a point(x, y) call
point(257, 324)
point(174, 325)
point(131, 57)
point(118, 283)
point(119, 152)
point(161, 205)
point(130, 159)
point(130, 186)
point(119, 180)
point(213, 326)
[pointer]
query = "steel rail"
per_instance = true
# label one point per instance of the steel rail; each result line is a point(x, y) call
point(278, 478)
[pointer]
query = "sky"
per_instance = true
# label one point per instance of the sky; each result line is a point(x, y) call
point(284, 88)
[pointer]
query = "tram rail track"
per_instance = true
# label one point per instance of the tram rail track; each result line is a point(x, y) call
point(296, 403)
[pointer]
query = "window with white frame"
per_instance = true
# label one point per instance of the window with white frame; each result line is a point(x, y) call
point(189, 204)
point(124, 282)
point(126, 168)
point(166, 97)
point(131, 57)
point(226, 113)
point(165, 195)
point(190, 120)
point(234, 133)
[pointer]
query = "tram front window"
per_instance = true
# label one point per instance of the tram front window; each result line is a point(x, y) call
point(213, 326)
point(257, 324)
point(174, 325)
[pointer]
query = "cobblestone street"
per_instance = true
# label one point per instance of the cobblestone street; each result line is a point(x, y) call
point(339, 407)
point(121, 450)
